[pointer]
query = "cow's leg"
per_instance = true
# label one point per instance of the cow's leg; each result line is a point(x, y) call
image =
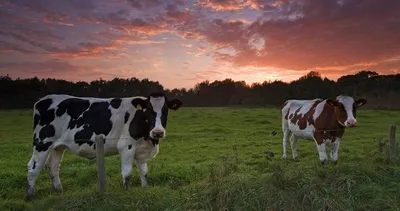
point(142, 168)
point(286, 134)
point(335, 150)
point(322, 151)
point(293, 144)
point(52, 165)
point(35, 165)
point(127, 154)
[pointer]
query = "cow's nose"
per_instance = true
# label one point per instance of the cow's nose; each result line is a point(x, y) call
point(351, 123)
point(158, 134)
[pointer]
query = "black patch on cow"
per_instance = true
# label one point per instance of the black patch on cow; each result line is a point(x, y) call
point(130, 146)
point(43, 105)
point(36, 120)
point(94, 145)
point(34, 164)
point(40, 146)
point(139, 127)
point(95, 120)
point(154, 141)
point(151, 115)
point(73, 106)
point(115, 103)
point(46, 114)
point(126, 117)
point(76, 123)
point(47, 132)
point(46, 117)
point(89, 142)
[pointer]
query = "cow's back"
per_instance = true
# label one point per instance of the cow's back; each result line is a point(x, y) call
point(76, 121)
point(299, 116)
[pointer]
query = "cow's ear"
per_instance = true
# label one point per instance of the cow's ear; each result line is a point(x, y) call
point(360, 102)
point(333, 102)
point(174, 104)
point(139, 103)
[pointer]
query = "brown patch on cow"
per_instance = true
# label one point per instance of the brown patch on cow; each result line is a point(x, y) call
point(302, 120)
point(283, 105)
point(327, 125)
point(287, 113)
point(290, 116)
point(144, 151)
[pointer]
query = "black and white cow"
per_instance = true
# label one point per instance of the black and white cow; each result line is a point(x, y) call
point(130, 127)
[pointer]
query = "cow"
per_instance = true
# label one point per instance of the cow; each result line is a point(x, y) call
point(130, 127)
point(321, 120)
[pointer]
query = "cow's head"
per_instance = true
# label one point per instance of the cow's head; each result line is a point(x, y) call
point(155, 108)
point(346, 109)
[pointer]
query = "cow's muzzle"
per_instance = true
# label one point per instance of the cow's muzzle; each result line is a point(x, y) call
point(351, 123)
point(157, 134)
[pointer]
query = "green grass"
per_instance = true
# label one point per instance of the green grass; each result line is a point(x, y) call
point(215, 159)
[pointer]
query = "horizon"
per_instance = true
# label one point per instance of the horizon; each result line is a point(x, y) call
point(210, 81)
point(180, 43)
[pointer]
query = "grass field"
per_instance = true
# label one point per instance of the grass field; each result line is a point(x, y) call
point(215, 159)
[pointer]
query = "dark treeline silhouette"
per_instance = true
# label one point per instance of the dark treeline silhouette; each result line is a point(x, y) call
point(382, 91)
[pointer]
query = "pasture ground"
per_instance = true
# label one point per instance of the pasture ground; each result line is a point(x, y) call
point(215, 159)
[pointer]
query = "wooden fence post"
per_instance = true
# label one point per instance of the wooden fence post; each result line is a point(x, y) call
point(101, 168)
point(392, 143)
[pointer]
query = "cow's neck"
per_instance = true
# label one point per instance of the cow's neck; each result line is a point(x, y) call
point(328, 120)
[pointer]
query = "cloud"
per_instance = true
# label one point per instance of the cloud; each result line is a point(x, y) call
point(186, 45)
point(48, 69)
point(236, 5)
point(314, 34)
point(197, 54)
point(144, 5)
point(238, 20)
point(173, 13)
point(219, 5)
point(86, 50)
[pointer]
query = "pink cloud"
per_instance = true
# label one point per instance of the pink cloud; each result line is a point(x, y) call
point(186, 45)
point(53, 69)
point(325, 35)
point(219, 5)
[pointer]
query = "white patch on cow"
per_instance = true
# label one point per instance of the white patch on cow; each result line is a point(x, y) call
point(322, 152)
point(335, 149)
point(293, 144)
point(288, 127)
point(348, 105)
point(319, 109)
point(293, 106)
point(157, 103)
point(142, 168)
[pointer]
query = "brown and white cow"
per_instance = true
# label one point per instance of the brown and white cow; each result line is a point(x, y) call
point(323, 121)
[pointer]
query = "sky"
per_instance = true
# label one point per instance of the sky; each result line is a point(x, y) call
point(183, 42)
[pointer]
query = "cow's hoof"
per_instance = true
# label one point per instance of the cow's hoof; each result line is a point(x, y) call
point(283, 157)
point(296, 159)
point(58, 190)
point(334, 162)
point(29, 198)
point(125, 186)
point(323, 162)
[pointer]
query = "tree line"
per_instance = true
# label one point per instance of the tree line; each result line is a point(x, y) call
point(381, 91)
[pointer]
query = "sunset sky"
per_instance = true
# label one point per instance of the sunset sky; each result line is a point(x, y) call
point(180, 43)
